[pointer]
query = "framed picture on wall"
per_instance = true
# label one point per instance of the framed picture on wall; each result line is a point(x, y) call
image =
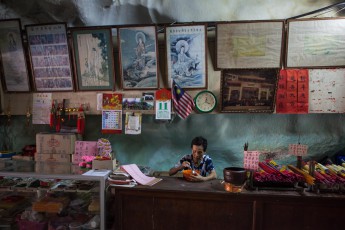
point(93, 57)
point(14, 71)
point(249, 90)
point(315, 43)
point(249, 45)
point(186, 55)
point(49, 57)
point(138, 55)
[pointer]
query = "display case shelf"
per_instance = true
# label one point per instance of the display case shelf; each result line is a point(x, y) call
point(56, 171)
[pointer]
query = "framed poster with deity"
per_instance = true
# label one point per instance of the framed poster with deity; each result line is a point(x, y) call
point(138, 57)
point(93, 57)
point(248, 91)
point(186, 55)
point(15, 76)
point(50, 57)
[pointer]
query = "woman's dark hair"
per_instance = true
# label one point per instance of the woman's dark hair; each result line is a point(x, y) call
point(199, 141)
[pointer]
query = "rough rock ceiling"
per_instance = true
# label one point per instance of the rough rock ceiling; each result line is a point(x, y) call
point(116, 12)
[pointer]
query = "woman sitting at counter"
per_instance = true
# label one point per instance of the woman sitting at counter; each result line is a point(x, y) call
point(198, 161)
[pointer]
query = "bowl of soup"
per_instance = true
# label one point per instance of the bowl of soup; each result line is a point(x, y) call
point(188, 172)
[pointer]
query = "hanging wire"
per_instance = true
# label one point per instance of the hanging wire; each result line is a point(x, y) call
point(326, 12)
point(339, 10)
point(320, 10)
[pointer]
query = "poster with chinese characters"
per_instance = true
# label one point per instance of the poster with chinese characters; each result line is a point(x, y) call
point(251, 160)
point(42, 103)
point(50, 57)
point(327, 94)
point(293, 91)
point(298, 149)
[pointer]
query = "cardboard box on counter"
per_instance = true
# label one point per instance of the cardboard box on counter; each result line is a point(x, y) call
point(52, 157)
point(4, 162)
point(56, 143)
point(22, 158)
point(104, 164)
point(23, 166)
point(53, 168)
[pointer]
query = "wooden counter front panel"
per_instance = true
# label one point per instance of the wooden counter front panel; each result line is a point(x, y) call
point(134, 211)
point(175, 204)
point(285, 215)
point(185, 213)
point(166, 210)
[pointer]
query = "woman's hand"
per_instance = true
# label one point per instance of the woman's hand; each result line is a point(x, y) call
point(196, 177)
point(185, 164)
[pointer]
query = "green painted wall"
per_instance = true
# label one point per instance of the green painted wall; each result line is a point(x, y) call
point(161, 144)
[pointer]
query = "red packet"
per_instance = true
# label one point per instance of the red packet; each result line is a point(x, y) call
point(303, 75)
point(302, 107)
point(282, 80)
point(282, 75)
point(291, 96)
point(291, 75)
point(281, 107)
point(291, 107)
point(303, 97)
point(291, 86)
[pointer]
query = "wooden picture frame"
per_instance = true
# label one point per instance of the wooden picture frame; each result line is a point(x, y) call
point(186, 50)
point(13, 63)
point(249, 44)
point(93, 58)
point(249, 90)
point(50, 57)
point(138, 55)
point(315, 43)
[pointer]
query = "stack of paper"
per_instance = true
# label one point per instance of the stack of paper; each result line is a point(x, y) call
point(138, 176)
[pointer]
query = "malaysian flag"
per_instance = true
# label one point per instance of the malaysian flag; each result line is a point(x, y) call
point(183, 102)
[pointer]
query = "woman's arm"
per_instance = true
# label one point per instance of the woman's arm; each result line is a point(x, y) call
point(212, 175)
point(174, 170)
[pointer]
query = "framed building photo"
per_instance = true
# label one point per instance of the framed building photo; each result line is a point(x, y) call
point(14, 71)
point(248, 90)
point(49, 57)
point(186, 55)
point(138, 57)
point(249, 45)
point(93, 56)
point(315, 43)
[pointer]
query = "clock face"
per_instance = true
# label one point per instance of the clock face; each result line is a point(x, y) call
point(205, 101)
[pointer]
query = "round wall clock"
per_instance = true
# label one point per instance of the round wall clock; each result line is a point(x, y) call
point(205, 101)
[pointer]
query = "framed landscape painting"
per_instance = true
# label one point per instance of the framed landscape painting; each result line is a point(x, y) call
point(186, 55)
point(315, 43)
point(15, 76)
point(138, 57)
point(249, 44)
point(93, 56)
point(50, 58)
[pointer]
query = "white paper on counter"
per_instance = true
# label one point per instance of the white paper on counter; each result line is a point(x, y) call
point(138, 176)
point(97, 172)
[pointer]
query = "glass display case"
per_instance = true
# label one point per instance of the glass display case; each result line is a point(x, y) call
point(60, 193)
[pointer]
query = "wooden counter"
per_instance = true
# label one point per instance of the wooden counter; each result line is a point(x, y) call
point(175, 203)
